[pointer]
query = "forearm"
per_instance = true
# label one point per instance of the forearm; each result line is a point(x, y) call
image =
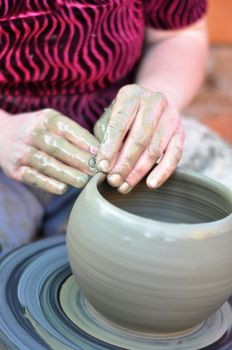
point(175, 64)
point(3, 114)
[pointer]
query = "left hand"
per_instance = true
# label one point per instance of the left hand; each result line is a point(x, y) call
point(139, 129)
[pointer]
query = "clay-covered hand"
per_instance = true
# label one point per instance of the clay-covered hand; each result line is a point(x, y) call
point(47, 150)
point(139, 130)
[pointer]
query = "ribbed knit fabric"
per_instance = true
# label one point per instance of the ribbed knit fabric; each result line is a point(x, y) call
point(72, 55)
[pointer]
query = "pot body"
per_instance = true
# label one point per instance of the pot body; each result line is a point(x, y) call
point(153, 261)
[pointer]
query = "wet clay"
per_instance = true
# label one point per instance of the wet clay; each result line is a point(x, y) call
point(141, 129)
point(153, 261)
point(47, 150)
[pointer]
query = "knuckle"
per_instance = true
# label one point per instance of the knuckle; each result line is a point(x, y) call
point(154, 153)
point(140, 142)
point(51, 119)
point(160, 98)
point(43, 166)
point(31, 153)
point(18, 155)
point(137, 174)
point(56, 145)
point(51, 115)
point(127, 88)
point(59, 142)
point(124, 167)
point(115, 127)
point(172, 118)
point(54, 141)
point(17, 160)
point(38, 133)
point(49, 111)
point(124, 90)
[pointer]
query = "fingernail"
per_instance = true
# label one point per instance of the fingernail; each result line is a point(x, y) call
point(104, 166)
point(114, 180)
point(92, 162)
point(93, 150)
point(153, 183)
point(124, 188)
point(62, 188)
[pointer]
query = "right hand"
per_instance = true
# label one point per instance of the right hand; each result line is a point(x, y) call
point(47, 150)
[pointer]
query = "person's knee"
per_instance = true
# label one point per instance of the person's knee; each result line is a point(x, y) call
point(20, 215)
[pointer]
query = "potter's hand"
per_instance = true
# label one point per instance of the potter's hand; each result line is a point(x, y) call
point(138, 130)
point(47, 150)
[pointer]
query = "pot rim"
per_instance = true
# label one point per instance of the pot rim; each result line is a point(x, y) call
point(204, 229)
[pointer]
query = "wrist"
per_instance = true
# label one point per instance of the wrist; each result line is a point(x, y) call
point(173, 98)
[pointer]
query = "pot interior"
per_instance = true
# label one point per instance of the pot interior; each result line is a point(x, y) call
point(181, 199)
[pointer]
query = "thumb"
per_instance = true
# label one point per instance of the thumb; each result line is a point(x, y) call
point(101, 124)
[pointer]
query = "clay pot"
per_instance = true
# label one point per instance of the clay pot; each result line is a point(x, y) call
point(156, 261)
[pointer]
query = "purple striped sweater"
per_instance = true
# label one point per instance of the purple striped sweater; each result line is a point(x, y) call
point(74, 55)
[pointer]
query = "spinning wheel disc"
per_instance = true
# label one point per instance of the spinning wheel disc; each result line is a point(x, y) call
point(42, 308)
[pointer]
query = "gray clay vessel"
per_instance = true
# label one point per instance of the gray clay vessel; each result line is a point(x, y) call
point(153, 261)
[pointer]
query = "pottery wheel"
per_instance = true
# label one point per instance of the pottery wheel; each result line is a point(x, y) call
point(41, 307)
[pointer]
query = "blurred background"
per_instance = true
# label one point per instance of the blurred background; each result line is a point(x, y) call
point(213, 103)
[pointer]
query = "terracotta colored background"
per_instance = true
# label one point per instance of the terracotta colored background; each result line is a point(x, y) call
point(220, 21)
point(213, 104)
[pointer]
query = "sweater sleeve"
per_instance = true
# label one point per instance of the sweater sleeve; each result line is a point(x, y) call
point(173, 14)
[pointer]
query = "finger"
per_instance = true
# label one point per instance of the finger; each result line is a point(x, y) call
point(142, 167)
point(71, 131)
point(122, 115)
point(33, 178)
point(139, 137)
point(169, 162)
point(166, 128)
point(53, 168)
point(101, 124)
point(56, 146)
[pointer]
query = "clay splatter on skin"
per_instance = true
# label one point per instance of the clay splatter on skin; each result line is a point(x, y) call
point(32, 177)
point(101, 124)
point(49, 151)
point(92, 163)
point(131, 121)
point(62, 150)
point(71, 131)
point(119, 123)
point(56, 170)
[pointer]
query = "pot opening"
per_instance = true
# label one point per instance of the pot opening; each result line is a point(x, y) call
point(180, 200)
